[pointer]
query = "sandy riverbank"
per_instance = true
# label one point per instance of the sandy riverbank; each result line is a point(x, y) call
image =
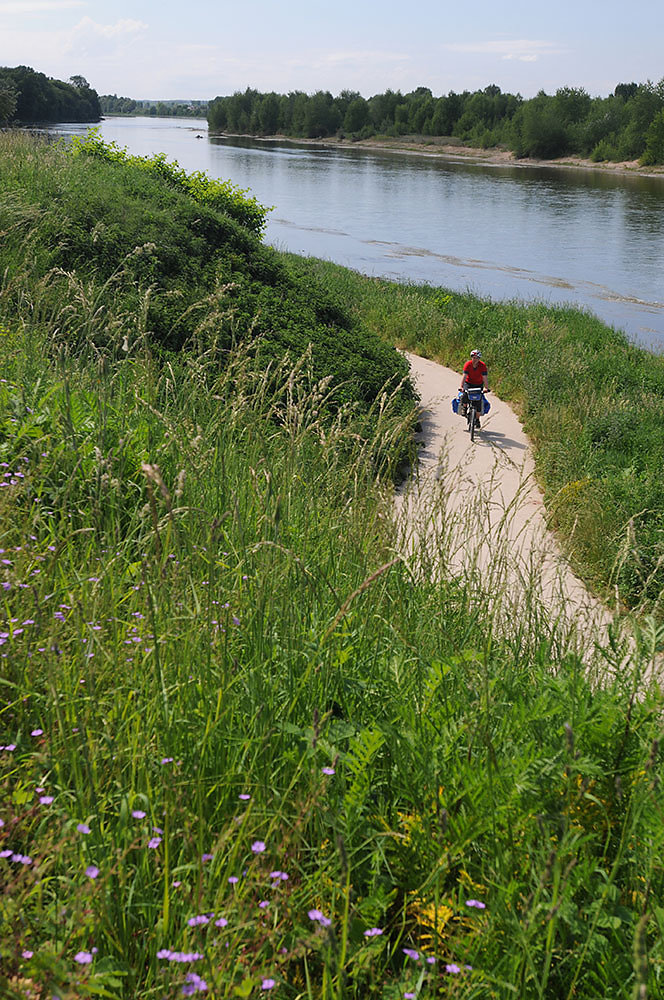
point(448, 149)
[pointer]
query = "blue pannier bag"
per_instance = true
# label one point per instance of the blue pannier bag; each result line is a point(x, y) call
point(487, 406)
point(455, 404)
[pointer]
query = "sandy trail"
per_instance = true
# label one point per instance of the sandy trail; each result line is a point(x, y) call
point(474, 508)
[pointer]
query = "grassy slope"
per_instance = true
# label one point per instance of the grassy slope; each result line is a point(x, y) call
point(590, 401)
point(200, 604)
point(185, 270)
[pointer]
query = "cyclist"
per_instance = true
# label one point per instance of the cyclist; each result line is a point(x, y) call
point(475, 374)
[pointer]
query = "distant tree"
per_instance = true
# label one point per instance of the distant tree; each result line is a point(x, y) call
point(538, 129)
point(79, 82)
point(382, 108)
point(345, 99)
point(654, 151)
point(626, 90)
point(7, 102)
point(572, 104)
point(421, 107)
point(357, 115)
point(601, 126)
point(39, 98)
point(401, 118)
point(640, 110)
point(267, 114)
point(321, 117)
point(299, 104)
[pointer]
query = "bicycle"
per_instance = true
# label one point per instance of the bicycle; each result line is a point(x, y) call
point(475, 402)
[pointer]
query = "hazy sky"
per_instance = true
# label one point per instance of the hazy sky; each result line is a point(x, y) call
point(201, 48)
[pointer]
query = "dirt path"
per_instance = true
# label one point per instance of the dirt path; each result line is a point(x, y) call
point(474, 508)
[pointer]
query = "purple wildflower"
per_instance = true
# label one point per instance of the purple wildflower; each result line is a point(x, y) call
point(221, 922)
point(83, 828)
point(198, 920)
point(411, 953)
point(319, 918)
point(453, 968)
point(268, 984)
point(26, 953)
point(83, 957)
point(45, 800)
point(409, 996)
point(373, 932)
point(264, 903)
point(194, 984)
point(138, 814)
point(258, 847)
point(431, 960)
point(206, 857)
point(477, 903)
point(233, 879)
point(37, 732)
point(166, 760)
point(328, 770)
point(92, 871)
point(154, 842)
point(244, 796)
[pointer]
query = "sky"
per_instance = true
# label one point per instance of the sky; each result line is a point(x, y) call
point(197, 50)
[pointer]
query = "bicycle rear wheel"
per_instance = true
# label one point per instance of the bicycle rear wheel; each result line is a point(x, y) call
point(472, 419)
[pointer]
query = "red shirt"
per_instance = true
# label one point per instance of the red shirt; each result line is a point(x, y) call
point(475, 376)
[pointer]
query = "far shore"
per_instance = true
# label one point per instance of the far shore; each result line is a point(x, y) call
point(449, 149)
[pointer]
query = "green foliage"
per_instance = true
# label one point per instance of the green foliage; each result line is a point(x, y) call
point(39, 98)
point(244, 739)
point(232, 728)
point(7, 102)
point(162, 258)
point(569, 122)
point(223, 196)
point(590, 401)
point(654, 151)
point(111, 104)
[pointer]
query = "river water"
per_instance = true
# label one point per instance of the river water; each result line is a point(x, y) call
point(584, 237)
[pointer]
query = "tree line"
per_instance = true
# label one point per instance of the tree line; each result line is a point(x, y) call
point(27, 97)
point(111, 104)
point(626, 125)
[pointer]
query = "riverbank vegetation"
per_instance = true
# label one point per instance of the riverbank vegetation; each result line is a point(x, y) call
point(626, 125)
point(245, 748)
point(111, 104)
point(27, 97)
point(589, 399)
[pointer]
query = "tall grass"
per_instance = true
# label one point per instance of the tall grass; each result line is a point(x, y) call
point(248, 744)
point(220, 665)
point(589, 400)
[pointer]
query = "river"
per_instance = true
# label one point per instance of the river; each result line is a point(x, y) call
point(584, 237)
